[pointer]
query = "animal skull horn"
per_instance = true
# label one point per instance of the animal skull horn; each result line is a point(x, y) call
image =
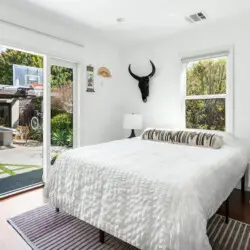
point(143, 81)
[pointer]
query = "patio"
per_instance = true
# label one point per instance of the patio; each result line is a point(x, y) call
point(27, 157)
point(21, 154)
point(21, 165)
point(7, 170)
point(19, 159)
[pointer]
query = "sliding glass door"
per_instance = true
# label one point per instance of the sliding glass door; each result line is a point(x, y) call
point(38, 116)
point(21, 123)
point(61, 110)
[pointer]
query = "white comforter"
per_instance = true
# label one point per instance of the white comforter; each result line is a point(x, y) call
point(153, 195)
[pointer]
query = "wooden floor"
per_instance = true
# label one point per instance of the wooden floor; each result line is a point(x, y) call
point(10, 240)
point(237, 209)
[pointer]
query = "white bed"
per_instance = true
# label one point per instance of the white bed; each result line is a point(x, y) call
point(153, 195)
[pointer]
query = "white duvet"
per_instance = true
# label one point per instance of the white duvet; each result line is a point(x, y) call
point(153, 195)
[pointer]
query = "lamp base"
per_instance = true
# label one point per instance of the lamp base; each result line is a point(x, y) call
point(132, 134)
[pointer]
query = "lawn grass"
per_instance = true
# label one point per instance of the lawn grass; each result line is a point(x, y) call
point(6, 171)
point(12, 172)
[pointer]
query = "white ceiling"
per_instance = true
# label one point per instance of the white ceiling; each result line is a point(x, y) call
point(143, 17)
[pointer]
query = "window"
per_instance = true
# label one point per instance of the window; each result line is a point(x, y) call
point(207, 103)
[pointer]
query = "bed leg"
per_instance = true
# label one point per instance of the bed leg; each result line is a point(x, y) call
point(57, 209)
point(101, 236)
point(243, 189)
point(227, 211)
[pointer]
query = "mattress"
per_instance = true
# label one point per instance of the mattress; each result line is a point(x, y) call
point(153, 195)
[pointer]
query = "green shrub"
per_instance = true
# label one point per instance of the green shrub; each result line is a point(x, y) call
point(70, 138)
point(59, 138)
point(55, 112)
point(36, 134)
point(62, 138)
point(38, 103)
point(61, 122)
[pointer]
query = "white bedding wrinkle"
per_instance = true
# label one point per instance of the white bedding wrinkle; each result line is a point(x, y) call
point(153, 195)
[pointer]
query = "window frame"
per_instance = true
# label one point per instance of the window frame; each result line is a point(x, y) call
point(228, 96)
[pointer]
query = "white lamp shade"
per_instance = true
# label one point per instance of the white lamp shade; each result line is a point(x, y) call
point(132, 121)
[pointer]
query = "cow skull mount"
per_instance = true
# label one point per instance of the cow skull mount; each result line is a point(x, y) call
point(143, 81)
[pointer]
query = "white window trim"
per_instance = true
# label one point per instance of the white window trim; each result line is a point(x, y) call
point(202, 97)
point(229, 96)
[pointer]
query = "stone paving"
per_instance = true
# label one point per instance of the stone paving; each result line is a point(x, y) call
point(31, 157)
point(18, 154)
point(26, 155)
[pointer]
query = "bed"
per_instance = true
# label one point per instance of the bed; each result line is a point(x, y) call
point(150, 194)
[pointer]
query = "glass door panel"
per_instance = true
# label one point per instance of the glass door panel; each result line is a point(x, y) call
point(60, 108)
point(21, 120)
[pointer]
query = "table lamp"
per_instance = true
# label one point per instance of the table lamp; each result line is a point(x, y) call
point(132, 121)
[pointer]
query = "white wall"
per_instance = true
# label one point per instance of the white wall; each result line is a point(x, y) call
point(100, 113)
point(164, 103)
point(164, 108)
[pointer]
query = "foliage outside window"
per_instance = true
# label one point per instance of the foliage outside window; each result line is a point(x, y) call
point(61, 106)
point(206, 94)
point(61, 97)
point(10, 57)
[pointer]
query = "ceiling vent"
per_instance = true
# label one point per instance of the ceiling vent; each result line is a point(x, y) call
point(197, 17)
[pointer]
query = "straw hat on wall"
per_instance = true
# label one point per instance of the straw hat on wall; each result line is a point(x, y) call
point(104, 72)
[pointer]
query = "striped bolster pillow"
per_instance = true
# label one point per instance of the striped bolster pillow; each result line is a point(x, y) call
point(184, 137)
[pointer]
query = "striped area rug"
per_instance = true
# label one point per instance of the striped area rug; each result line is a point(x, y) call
point(43, 228)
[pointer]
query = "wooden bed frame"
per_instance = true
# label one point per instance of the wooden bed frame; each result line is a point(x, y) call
point(102, 233)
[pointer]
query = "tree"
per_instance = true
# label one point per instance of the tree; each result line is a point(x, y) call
point(61, 76)
point(63, 99)
point(10, 57)
point(62, 85)
point(206, 78)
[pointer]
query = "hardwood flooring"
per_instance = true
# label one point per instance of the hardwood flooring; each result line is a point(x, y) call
point(10, 240)
point(238, 210)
